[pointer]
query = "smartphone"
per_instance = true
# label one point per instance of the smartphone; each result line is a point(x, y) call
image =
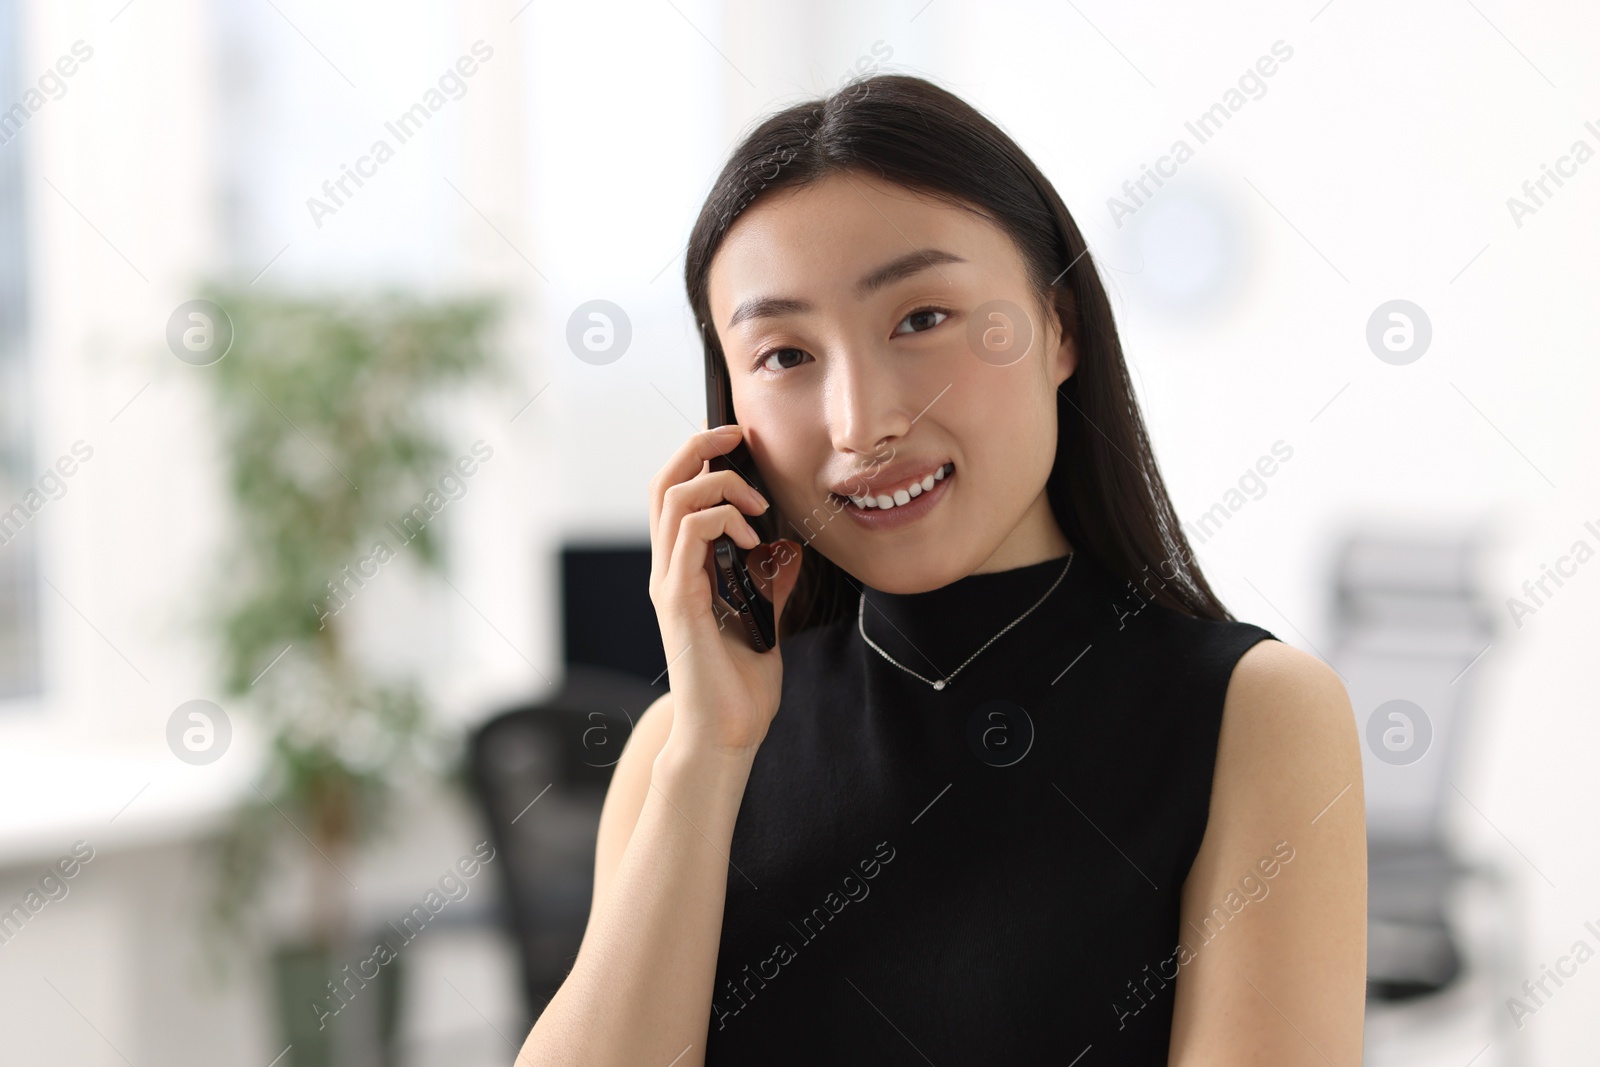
point(735, 598)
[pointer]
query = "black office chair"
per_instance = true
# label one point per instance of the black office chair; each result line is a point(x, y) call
point(1411, 623)
point(540, 771)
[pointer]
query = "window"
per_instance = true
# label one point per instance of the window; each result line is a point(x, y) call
point(19, 606)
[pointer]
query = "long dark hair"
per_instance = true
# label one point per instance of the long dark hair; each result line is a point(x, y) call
point(1105, 489)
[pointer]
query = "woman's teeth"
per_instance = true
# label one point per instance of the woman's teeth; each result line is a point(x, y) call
point(903, 495)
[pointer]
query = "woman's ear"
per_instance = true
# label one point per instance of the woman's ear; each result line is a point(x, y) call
point(1064, 357)
point(1065, 360)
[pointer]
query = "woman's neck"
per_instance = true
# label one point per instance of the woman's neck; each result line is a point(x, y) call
point(1036, 538)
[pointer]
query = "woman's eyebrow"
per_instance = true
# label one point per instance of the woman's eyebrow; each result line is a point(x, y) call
point(911, 263)
point(766, 307)
point(905, 266)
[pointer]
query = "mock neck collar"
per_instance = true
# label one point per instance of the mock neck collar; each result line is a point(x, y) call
point(934, 632)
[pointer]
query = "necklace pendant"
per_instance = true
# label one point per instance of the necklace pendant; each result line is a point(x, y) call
point(861, 628)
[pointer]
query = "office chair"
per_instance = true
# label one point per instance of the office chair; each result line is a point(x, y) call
point(1410, 629)
point(540, 770)
point(540, 774)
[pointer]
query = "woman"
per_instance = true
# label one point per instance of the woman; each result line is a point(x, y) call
point(1014, 787)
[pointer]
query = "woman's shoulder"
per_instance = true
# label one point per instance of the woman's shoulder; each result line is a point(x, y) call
point(1142, 609)
point(1284, 718)
point(1194, 664)
point(1188, 645)
point(1279, 697)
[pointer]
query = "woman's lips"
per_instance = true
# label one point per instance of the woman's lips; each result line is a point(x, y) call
point(900, 495)
point(881, 518)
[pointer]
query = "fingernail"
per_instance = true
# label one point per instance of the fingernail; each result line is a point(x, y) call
point(725, 430)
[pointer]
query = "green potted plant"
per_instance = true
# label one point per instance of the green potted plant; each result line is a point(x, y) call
point(324, 407)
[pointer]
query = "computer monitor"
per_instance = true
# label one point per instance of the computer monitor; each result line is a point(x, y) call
point(608, 620)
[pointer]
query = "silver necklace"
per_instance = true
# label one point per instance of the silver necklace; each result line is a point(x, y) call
point(861, 612)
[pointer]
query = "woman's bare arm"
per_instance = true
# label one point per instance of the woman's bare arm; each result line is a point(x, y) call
point(640, 990)
point(1275, 907)
point(625, 796)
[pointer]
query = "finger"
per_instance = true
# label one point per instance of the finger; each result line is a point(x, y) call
point(705, 490)
point(686, 579)
point(689, 459)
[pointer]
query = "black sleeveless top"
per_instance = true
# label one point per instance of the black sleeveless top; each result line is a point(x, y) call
point(987, 873)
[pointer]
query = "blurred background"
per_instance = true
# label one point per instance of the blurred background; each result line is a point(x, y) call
point(340, 341)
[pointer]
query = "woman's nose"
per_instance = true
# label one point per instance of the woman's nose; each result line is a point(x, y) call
point(865, 404)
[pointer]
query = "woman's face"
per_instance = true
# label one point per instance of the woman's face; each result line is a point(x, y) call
point(873, 336)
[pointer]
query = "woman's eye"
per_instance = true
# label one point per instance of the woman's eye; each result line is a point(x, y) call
point(779, 354)
point(922, 320)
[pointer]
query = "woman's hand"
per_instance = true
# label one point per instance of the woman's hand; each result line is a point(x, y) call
point(725, 693)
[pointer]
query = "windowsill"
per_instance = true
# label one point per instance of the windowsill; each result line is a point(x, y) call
point(56, 790)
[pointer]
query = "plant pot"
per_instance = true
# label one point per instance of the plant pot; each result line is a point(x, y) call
point(337, 1008)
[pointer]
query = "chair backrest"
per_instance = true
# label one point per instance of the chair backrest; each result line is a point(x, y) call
point(1410, 623)
point(540, 773)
